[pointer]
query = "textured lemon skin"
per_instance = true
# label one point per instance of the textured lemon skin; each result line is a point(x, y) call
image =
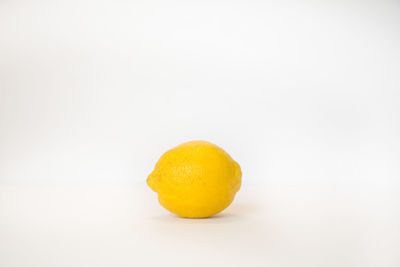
point(196, 179)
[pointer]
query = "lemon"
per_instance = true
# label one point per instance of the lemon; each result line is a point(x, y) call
point(196, 179)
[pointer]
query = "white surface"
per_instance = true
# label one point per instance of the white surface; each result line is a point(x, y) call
point(48, 226)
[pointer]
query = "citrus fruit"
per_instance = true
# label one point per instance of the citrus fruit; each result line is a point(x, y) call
point(196, 179)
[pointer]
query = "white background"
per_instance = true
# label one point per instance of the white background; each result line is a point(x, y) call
point(305, 95)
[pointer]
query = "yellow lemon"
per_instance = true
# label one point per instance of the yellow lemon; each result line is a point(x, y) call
point(196, 179)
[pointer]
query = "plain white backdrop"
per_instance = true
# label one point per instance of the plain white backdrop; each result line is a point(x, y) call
point(305, 95)
point(297, 92)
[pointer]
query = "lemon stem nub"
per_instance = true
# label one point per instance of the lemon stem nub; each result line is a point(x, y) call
point(151, 183)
